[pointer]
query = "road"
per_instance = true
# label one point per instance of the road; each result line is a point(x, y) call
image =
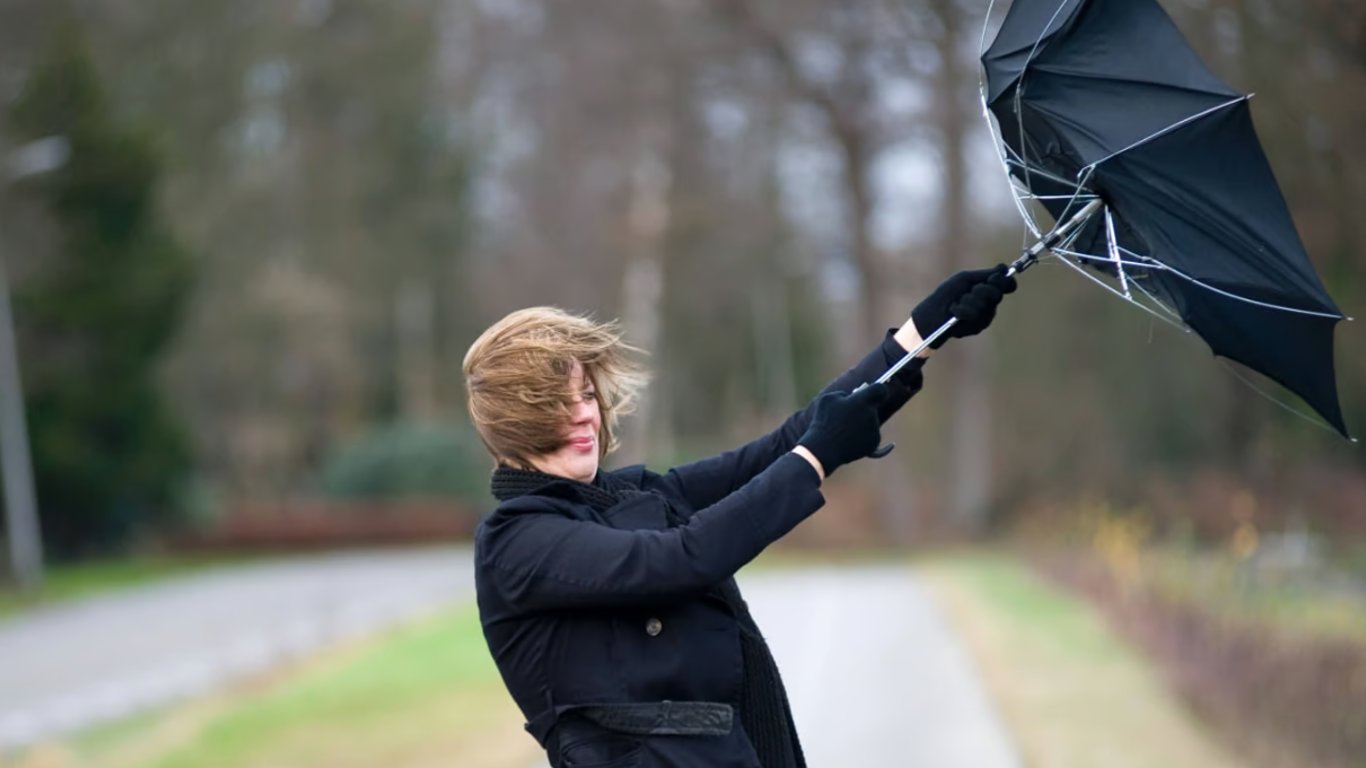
point(77, 664)
point(875, 676)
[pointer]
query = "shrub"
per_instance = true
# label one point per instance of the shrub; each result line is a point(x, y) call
point(405, 461)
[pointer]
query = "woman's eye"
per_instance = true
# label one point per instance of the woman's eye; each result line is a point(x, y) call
point(589, 397)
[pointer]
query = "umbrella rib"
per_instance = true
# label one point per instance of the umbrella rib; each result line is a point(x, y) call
point(1019, 122)
point(1135, 283)
point(1222, 292)
point(1033, 226)
point(1064, 249)
point(1076, 193)
point(1082, 271)
point(1020, 193)
point(1276, 400)
point(1113, 246)
point(982, 42)
point(1046, 175)
point(1162, 305)
point(1170, 128)
point(999, 141)
point(1110, 260)
point(1144, 257)
point(1186, 329)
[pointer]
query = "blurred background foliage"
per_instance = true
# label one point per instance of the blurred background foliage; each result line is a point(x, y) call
point(243, 302)
point(101, 307)
point(283, 222)
point(409, 460)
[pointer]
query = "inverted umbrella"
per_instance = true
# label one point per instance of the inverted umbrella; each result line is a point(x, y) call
point(1104, 99)
point(1151, 167)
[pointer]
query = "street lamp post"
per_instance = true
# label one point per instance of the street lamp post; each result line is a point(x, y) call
point(21, 515)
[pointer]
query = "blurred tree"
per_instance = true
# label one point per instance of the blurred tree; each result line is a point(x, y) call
point(855, 64)
point(365, 186)
point(321, 170)
point(95, 318)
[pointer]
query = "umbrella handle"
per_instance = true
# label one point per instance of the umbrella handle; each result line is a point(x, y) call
point(881, 450)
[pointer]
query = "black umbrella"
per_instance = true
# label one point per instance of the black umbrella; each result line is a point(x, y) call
point(1105, 110)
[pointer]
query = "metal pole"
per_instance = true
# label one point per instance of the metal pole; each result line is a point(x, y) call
point(25, 541)
point(21, 508)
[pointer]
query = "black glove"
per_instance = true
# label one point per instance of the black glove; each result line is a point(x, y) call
point(845, 427)
point(971, 296)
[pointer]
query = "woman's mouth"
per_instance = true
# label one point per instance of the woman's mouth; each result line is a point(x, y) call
point(582, 444)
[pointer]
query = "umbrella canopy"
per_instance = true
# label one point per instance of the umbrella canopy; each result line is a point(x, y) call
point(1105, 99)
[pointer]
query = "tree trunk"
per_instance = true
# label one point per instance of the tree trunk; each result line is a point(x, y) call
point(643, 278)
point(970, 432)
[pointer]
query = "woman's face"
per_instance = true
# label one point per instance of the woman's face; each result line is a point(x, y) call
point(577, 456)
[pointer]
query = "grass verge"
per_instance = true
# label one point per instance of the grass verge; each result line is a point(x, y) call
point(1308, 606)
point(1070, 691)
point(1278, 668)
point(423, 695)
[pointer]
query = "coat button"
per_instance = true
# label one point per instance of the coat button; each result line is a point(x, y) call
point(654, 627)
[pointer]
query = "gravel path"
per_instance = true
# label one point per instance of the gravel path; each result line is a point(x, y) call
point(81, 663)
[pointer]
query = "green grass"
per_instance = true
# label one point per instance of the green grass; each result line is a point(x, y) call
point(419, 695)
point(398, 675)
point(1072, 693)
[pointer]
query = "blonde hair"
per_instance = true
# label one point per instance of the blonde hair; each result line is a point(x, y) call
point(517, 380)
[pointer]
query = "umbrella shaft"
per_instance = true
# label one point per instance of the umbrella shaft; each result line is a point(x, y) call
point(909, 356)
point(1030, 256)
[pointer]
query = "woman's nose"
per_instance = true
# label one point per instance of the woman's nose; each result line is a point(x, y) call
point(582, 411)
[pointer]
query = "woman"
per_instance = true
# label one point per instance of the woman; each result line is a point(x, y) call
point(607, 597)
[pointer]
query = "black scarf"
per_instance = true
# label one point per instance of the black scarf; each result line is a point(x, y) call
point(602, 494)
point(764, 710)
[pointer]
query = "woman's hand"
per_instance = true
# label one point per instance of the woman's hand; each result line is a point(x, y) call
point(845, 427)
point(971, 296)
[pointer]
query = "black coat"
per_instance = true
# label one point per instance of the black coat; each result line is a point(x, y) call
point(584, 608)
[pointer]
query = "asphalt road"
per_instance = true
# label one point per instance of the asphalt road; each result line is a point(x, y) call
point(875, 676)
point(78, 664)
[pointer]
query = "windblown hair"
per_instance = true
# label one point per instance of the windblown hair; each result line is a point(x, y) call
point(517, 380)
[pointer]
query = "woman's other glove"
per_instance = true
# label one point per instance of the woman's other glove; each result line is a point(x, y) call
point(845, 427)
point(971, 296)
